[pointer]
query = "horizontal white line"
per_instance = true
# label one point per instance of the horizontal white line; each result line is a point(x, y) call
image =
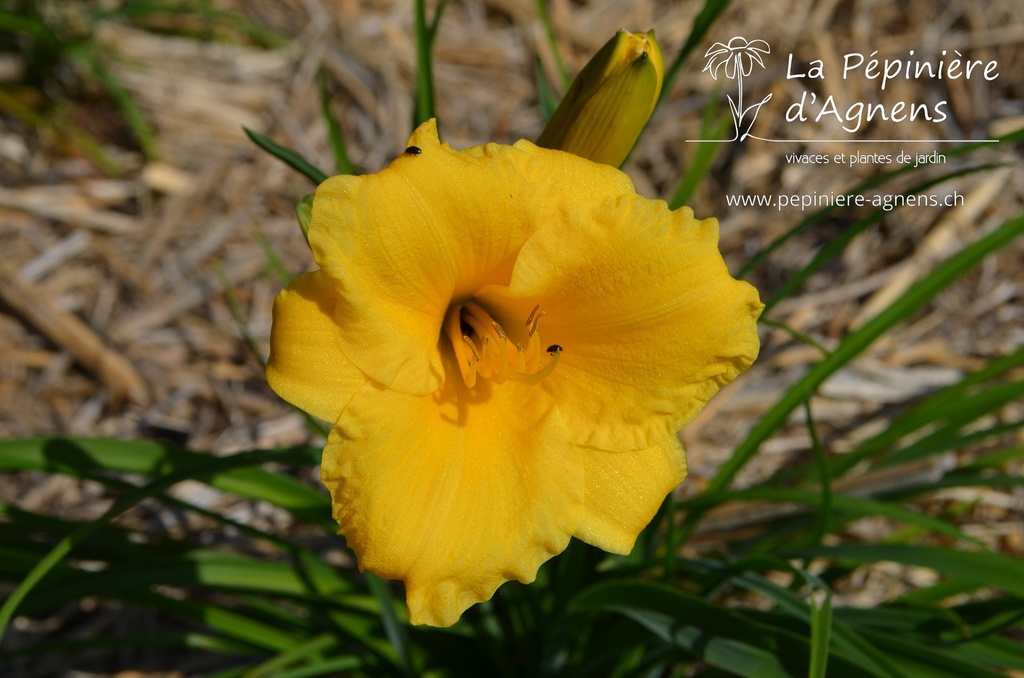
point(850, 141)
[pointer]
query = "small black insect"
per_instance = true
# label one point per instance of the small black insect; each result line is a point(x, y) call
point(413, 150)
point(554, 348)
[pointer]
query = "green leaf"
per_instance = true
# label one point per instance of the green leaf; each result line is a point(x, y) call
point(133, 115)
point(970, 405)
point(823, 214)
point(229, 623)
point(928, 412)
point(920, 661)
point(288, 156)
point(703, 156)
point(312, 649)
point(995, 651)
point(217, 570)
point(707, 16)
point(393, 628)
point(843, 637)
point(719, 636)
point(304, 214)
point(546, 97)
point(849, 507)
point(91, 457)
point(824, 476)
point(855, 343)
point(330, 667)
point(425, 108)
point(985, 568)
point(62, 548)
point(199, 641)
point(821, 632)
point(552, 37)
point(337, 137)
point(945, 401)
point(836, 246)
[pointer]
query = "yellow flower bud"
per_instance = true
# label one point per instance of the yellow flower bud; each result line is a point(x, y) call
point(609, 102)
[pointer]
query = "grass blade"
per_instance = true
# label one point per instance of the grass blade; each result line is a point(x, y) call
point(425, 108)
point(722, 638)
point(920, 661)
point(980, 567)
point(821, 632)
point(552, 36)
point(288, 156)
point(546, 97)
point(90, 457)
point(331, 667)
point(393, 628)
point(849, 508)
point(65, 545)
point(703, 156)
point(837, 245)
point(337, 137)
point(824, 476)
point(309, 649)
point(845, 638)
point(821, 215)
point(711, 10)
point(942, 276)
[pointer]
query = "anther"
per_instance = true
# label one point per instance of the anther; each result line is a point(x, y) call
point(536, 324)
point(472, 347)
point(529, 320)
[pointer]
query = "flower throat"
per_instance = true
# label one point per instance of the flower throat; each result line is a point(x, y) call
point(483, 349)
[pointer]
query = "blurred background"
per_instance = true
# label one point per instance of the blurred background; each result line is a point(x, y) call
point(144, 236)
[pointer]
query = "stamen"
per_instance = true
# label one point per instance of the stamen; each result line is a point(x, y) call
point(472, 347)
point(475, 337)
point(481, 327)
point(503, 351)
point(529, 320)
point(467, 366)
point(486, 366)
point(536, 323)
point(555, 351)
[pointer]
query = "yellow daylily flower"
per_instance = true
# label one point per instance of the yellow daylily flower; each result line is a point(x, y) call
point(467, 450)
point(610, 101)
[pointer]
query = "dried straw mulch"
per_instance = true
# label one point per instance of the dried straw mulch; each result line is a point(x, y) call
point(114, 319)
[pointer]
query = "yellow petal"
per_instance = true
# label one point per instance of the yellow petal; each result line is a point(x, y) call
point(610, 101)
point(307, 366)
point(623, 490)
point(650, 322)
point(454, 493)
point(435, 225)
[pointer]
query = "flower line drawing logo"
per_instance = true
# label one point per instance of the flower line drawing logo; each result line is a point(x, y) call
point(738, 57)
